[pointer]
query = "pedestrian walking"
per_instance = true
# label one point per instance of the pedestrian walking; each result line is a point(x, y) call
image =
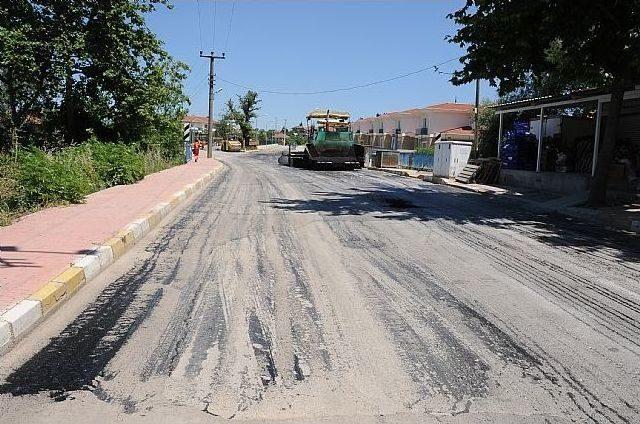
point(196, 150)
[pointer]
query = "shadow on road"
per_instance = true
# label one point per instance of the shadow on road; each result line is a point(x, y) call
point(427, 204)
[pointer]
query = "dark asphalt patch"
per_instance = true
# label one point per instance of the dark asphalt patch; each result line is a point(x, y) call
point(398, 203)
point(261, 343)
point(297, 370)
point(73, 360)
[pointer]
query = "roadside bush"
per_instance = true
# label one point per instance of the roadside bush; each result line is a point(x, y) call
point(155, 161)
point(8, 172)
point(38, 179)
point(116, 164)
point(44, 179)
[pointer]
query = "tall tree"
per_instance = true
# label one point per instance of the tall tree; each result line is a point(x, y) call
point(592, 42)
point(28, 75)
point(246, 110)
point(83, 67)
point(224, 127)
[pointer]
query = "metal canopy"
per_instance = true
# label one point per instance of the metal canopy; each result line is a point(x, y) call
point(577, 97)
point(327, 113)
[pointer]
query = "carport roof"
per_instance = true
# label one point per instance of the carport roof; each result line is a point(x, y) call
point(576, 96)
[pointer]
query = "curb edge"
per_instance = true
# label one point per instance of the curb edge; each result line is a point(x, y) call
point(24, 316)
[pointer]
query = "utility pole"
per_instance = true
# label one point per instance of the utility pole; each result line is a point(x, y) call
point(212, 57)
point(476, 111)
point(285, 141)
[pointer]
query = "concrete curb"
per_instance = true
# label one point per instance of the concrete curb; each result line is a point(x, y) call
point(16, 322)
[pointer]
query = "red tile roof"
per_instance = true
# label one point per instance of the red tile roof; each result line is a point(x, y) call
point(195, 119)
point(466, 130)
point(440, 107)
point(451, 107)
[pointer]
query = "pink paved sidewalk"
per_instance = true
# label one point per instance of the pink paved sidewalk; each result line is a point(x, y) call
point(41, 245)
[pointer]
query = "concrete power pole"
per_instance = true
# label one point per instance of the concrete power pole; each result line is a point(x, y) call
point(476, 112)
point(212, 57)
point(285, 140)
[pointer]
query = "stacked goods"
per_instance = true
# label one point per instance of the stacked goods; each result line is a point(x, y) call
point(489, 171)
point(519, 148)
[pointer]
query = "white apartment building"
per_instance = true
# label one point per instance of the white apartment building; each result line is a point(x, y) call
point(425, 121)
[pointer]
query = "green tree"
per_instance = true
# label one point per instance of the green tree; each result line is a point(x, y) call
point(488, 126)
point(224, 127)
point(262, 137)
point(297, 136)
point(85, 67)
point(28, 82)
point(592, 42)
point(246, 110)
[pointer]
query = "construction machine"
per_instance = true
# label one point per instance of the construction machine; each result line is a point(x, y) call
point(231, 146)
point(329, 144)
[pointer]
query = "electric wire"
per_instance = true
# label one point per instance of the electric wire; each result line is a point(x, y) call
point(198, 87)
point(434, 68)
point(233, 8)
point(199, 24)
point(213, 35)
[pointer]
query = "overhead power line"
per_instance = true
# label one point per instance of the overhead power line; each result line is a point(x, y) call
point(198, 87)
point(233, 8)
point(199, 25)
point(213, 35)
point(353, 87)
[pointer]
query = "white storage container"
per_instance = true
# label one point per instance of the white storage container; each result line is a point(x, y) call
point(450, 157)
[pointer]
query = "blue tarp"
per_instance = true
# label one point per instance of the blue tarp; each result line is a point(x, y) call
point(519, 149)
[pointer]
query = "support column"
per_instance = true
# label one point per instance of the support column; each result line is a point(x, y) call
point(540, 136)
point(596, 140)
point(500, 134)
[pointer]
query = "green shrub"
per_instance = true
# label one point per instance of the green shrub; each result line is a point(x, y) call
point(8, 184)
point(38, 179)
point(155, 161)
point(116, 163)
point(44, 179)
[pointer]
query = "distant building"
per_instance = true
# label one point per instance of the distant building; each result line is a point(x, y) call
point(278, 137)
point(300, 129)
point(199, 122)
point(424, 123)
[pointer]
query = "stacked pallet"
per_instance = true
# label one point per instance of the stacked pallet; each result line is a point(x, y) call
point(481, 171)
point(467, 174)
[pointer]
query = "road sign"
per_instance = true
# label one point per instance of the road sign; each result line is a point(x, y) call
point(186, 132)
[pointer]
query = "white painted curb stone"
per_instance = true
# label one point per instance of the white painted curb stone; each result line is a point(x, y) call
point(144, 225)
point(136, 229)
point(5, 333)
point(90, 264)
point(23, 316)
point(105, 254)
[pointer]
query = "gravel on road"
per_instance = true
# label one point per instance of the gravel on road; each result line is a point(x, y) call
point(288, 295)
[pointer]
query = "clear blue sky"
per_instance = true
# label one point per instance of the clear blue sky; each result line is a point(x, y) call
point(316, 45)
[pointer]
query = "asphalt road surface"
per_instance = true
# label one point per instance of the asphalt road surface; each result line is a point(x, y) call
point(285, 295)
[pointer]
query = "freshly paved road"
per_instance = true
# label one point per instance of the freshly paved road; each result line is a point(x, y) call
point(285, 295)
